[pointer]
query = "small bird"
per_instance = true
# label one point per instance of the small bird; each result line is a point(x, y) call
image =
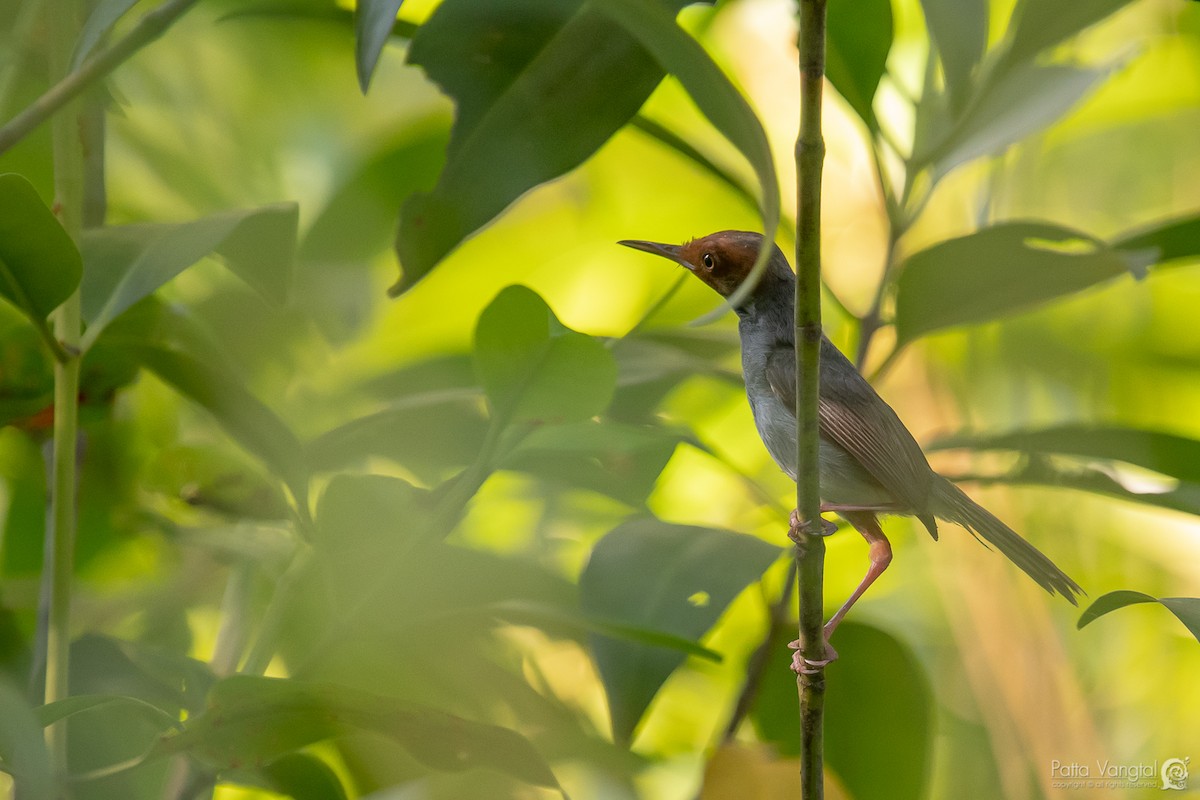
point(870, 463)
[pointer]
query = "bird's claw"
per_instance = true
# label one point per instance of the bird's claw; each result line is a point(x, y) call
point(798, 528)
point(806, 666)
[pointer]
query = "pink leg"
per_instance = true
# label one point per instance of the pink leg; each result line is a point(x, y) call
point(880, 555)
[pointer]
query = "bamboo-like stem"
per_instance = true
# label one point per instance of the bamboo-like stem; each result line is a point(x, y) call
point(810, 550)
point(68, 204)
point(147, 29)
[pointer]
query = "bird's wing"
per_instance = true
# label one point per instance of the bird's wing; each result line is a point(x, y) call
point(857, 419)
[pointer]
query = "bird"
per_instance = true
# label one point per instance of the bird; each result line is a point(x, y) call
point(870, 464)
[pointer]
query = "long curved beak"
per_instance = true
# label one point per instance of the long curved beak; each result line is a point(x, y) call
point(671, 251)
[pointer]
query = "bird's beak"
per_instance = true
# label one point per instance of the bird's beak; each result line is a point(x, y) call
point(671, 251)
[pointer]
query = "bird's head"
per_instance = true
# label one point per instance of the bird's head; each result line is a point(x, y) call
point(722, 260)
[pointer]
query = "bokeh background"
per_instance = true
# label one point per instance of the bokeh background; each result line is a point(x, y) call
point(958, 677)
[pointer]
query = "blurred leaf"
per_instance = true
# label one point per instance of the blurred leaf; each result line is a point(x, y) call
point(104, 16)
point(518, 123)
point(302, 776)
point(656, 576)
point(128, 262)
point(1015, 104)
point(998, 270)
point(78, 704)
point(373, 20)
point(533, 368)
point(1169, 240)
point(959, 30)
point(621, 461)
point(756, 772)
point(1186, 609)
point(243, 416)
point(252, 719)
point(39, 265)
point(1038, 24)
point(859, 38)
point(23, 747)
point(879, 707)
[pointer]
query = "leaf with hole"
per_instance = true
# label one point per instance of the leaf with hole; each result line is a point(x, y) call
point(656, 576)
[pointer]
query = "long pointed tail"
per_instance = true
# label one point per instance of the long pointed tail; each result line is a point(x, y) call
point(950, 503)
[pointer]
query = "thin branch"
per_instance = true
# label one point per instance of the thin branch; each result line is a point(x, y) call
point(810, 550)
point(147, 29)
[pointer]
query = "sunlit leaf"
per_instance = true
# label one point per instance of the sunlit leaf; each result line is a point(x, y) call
point(859, 39)
point(1186, 609)
point(373, 20)
point(1038, 24)
point(39, 265)
point(126, 263)
point(104, 16)
point(518, 123)
point(244, 416)
point(677, 579)
point(996, 271)
point(959, 30)
point(533, 368)
point(23, 747)
point(1019, 102)
point(255, 720)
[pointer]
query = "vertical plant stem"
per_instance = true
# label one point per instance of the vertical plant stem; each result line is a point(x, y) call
point(68, 204)
point(810, 555)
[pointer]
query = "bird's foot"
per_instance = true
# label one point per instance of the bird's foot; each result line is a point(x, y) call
point(805, 666)
point(799, 528)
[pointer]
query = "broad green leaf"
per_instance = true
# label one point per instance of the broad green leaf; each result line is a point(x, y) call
point(621, 461)
point(996, 271)
point(1168, 240)
point(1019, 102)
point(126, 263)
point(879, 705)
point(302, 776)
point(1186, 609)
point(532, 368)
point(23, 748)
point(656, 576)
point(104, 16)
point(959, 30)
point(518, 122)
point(859, 39)
point(719, 100)
point(244, 417)
point(373, 21)
point(255, 720)
point(39, 264)
point(78, 704)
point(1038, 24)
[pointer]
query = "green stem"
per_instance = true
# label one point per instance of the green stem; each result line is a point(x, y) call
point(148, 28)
point(810, 550)
point(268, 635)
point(68, 190)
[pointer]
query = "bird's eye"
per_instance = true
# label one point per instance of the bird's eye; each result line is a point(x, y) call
point(708, 261)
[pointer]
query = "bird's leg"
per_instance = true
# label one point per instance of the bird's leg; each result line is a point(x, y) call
point(798, 528)
point(880, 556)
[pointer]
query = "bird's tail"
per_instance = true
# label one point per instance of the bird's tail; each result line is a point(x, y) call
point(951, 504)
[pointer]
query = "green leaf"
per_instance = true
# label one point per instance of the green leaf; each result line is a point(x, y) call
point(959, 30)
point(373, 21)
point(39, 264)
point(520, 120)
point(879, 705)
point(656, 576)
point(1017, 103)
point(1186, 609)
point(1038, 24)
point(302, 776)
point(859, 39)
point(126, 263)
point(254, 720)
point(996, 271)
point(77, 704)
point(243, 416)
point(1168, 240)
point(532, 368)
point(23, 747)
point(104, 16)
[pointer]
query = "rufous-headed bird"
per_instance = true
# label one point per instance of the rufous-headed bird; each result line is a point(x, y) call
point(870, 463)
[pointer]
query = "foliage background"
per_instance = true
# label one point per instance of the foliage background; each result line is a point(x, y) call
point(958, 677)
